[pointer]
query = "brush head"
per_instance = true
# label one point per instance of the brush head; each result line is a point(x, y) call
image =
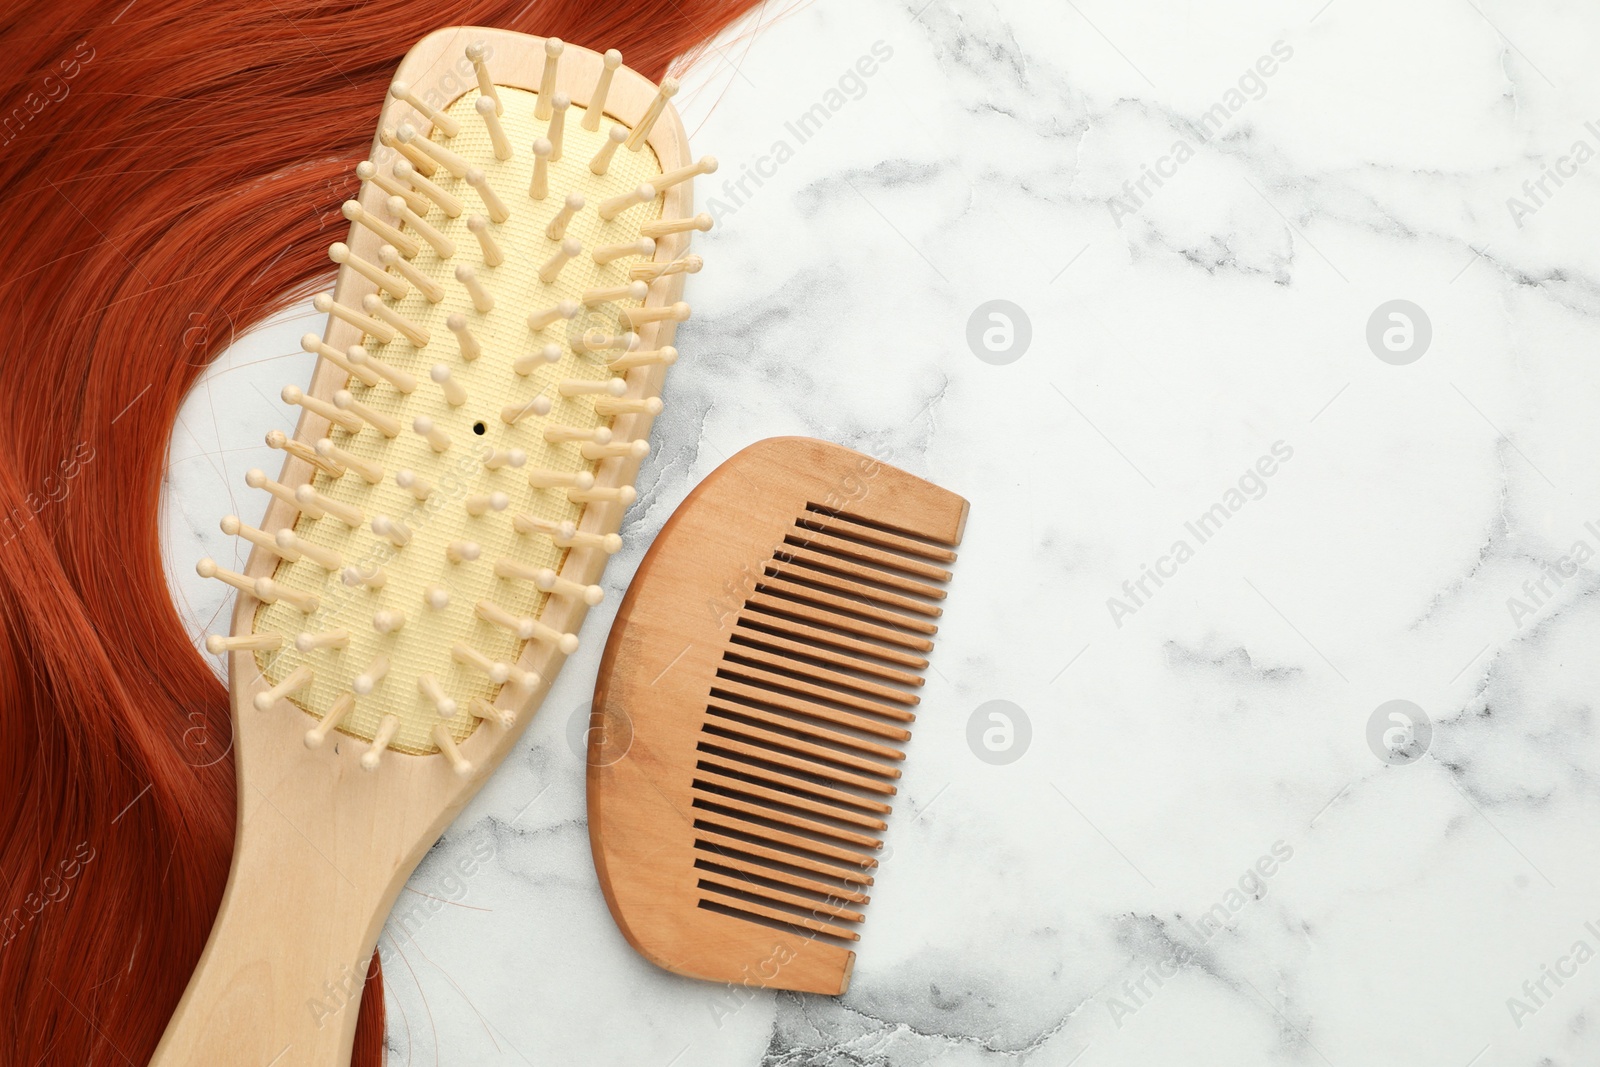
point(752, 707)
point(406, 484)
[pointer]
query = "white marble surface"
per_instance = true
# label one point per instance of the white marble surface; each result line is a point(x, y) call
point(1174, 342)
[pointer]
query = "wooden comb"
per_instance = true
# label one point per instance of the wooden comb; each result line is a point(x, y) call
point(757, 682)
point(498, 335)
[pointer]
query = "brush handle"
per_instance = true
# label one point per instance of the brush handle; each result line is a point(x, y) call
point(281, 976)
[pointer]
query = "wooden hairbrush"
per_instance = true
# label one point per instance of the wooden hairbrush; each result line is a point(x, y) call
point(497, 339)
point(758, 679)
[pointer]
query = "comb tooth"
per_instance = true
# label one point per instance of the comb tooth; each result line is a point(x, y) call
point(667, 355)
point(394, 531)
point(438, 153)
point(636, 317)
point(409, 481)
point(270, 592)
point(727, 862)
point(784, 838)
point(564, 310)
point(441, 122)
point(836, 800)
point(602, 88)
point(663, 227)
point(368, 171)
point(330, 639)
point(734, 743)
point(390, 256)
point(547, 479)
point(558, 124)
point(234, 528)
point(616, 205)
point(315, 505)
point(477, 53)
point(746, 888)
point(342, 706)
point(608, 406)
point(727, 806)
point(631, 291)
point(644, 246)
point(737, 904)
point(747, 683)
point(431, 193)
point(374, 306)
point(498, 212)
point(437, 439)
point(489, 110)
point(505, 457)
point(257, 479)
point(216, 644)
point(447, 745)
point(436, 597)
point(463, 551)
point(481, 503)
point(387, 728)
point(759, 641)
point(715, 837)
point(624, 449)
point(429, 685)
point(365, 682)
point(850, 605)
point(769, 655)
point(722, 783)
point(326, 558)
point(641, 132)
point(547, 81)
point(829, 579)
point(369, 471)
point(704, 165)
point(539, 186)
point(492, 255)
point(558, 225)
point(649, 272)
point(300, 450)
point(620, 494)
point(408, 245)
point(314, 344)
point(525, 365)
point(554, 435)
point(762, 627)
point(833, 563)
point(551, 270)
point(340, 253)
point(597, 340)
point(882, 561)
point(389, 137)
point(293, 394)
point(844, 526)
point(371, 579)
point(455, 394)
point(602, 159)
point(297, 680)
point(425, 229)
point(512, 414)
point(592, 387)
point(829, 742)
point(482, 709)
point(469, 279)
point(821, 617)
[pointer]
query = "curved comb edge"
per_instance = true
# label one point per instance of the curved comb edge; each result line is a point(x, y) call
point(666, 645)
